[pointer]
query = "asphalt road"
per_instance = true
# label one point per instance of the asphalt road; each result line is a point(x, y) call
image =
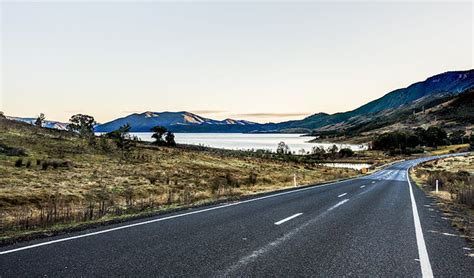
point(367, 226)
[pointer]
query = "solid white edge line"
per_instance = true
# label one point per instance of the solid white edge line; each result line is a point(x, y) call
point(288, 218)
point(343, 194)
point(425, 264)
point(172, 217)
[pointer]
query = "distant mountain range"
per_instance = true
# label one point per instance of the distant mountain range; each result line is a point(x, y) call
point(382, 111)
point(439, 86)
point(46, 123)
point(174, 121)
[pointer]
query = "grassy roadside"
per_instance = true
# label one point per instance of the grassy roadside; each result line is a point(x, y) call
point(455, 177)
point(52, 181)
point(65, 228)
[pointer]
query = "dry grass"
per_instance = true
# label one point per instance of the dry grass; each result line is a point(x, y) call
point(456, 196)
point(96, 185)
point(448, 149)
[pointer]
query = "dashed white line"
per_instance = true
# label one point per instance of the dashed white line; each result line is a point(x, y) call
point(362, 186)
point(343, 194)
point(274, 244)
point(287, 219)
point(338, 204)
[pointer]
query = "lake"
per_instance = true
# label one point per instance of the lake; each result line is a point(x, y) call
point(355, 166)
point(241, 141)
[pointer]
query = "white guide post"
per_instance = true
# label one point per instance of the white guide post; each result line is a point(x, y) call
point(437, 183)
point(294, 180)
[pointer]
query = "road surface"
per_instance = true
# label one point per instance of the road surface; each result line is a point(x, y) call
point(377, 225)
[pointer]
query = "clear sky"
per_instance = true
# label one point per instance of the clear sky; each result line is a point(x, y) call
point(260, 61)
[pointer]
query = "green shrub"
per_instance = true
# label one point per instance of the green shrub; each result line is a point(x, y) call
point(152, 178)
point(19, 162)
point(11, 151)
point(56, 164)
point(231, 180)
point(252, 178)
point(346, 152)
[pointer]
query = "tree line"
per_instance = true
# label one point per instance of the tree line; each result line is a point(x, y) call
point(408, 142)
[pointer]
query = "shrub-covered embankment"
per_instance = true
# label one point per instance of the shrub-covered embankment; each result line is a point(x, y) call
point(455, 176)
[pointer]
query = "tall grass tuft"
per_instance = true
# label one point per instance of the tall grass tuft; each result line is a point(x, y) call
point(465, 196)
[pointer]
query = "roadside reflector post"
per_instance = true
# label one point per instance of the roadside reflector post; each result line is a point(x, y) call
point(437, 184)
point(294, 180)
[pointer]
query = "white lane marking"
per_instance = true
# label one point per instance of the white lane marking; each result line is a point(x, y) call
point(445, 234)
point(287, 219)
point(274, 244)
point(338, 204)
point(425, 264)
point(362, 186)
point(170, 217)
point(343, 194)
point(373, 182)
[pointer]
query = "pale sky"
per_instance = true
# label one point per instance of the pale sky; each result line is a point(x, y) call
point(259, 61)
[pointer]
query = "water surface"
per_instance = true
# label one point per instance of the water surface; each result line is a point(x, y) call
point(245, 141)
point(355, 166)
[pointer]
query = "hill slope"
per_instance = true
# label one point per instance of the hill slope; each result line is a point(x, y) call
point(438, 86)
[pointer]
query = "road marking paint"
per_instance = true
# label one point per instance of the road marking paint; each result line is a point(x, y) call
point(170, 217)
point(343, 194)
point(449, 234)
point(338, 204)
point(362, 186)
point(287, 219)
point(425, 264)
point(373, 182)
point(445, 234)
point(274, 244)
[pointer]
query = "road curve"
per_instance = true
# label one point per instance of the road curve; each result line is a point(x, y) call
point(376, 225)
